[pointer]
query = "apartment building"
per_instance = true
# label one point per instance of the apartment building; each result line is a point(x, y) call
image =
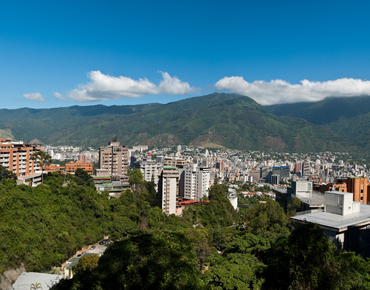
point(179, 163)
point(54, 168)
point(15, 156)
point(196, 182)
point(149, 168)
point(114, 158)
point(168, 189)
point(71, 167)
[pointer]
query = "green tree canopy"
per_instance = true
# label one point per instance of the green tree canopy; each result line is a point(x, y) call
point(5, 174)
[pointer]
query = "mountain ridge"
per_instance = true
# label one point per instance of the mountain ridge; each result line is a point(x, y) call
point(218, 119)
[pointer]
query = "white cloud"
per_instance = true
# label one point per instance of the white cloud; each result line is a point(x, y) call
point(34, 97)
point(59, 96)
point(279, 91)
point(104, 87)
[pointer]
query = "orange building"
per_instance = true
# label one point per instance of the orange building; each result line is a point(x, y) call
point(54, 168)
point(15, 156)
point(71, 167)
point(342, 187)
point(358, 186)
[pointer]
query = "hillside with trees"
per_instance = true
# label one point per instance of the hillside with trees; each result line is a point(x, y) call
point(215, 120)
point(349, 117)
point(210, 247)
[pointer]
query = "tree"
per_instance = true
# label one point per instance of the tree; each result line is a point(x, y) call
point(89, 262)
point(5, 174)
point(83, 178)
point(295, 204)
point(35, 286)
point(41, 158)
point(307, 259)
point(267, 220)
point(148, 260)
point(135, 176)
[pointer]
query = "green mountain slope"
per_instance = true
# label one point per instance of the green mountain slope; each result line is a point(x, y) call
point(214, 120)
point(347, 117)
point(324, 112)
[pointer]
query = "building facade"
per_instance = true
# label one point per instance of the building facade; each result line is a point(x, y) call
point(114, 158)
point(149, 169)
point(71, 167)
point(15, 157)
point(195, 182)
point(168, 189)
point(344, 221)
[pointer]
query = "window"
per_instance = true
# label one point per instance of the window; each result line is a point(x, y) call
point(362, 191)
point(362, 198)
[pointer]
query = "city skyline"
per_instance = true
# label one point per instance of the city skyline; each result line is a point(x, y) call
point(120, 53)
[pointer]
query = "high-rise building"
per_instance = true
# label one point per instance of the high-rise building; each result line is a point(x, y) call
point(114, 158)
point(255, 174)
point(195, 182)
point(203, 181)
point(305, 168)
point(168, 189)
point(297, 167)
point(149, 168)
point(82, 158)
point(285, 172)
point(358, 186)
point(15, 156)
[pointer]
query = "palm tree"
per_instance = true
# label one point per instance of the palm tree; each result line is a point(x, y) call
point(35, 286)
point(41, 158)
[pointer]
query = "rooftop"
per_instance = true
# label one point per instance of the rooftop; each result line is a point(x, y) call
point(335, 221)
point(25, 280)
point(170, 167)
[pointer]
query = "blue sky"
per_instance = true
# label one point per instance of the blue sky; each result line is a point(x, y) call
point(96, 52)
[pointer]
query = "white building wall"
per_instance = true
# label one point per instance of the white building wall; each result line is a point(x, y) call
point(196, 182)
point(172, 196)
point(203, 179)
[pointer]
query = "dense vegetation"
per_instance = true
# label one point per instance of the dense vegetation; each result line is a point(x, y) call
point(210, 247)
point(214, 120)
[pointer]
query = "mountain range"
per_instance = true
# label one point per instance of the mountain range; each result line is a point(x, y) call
point(216, 120)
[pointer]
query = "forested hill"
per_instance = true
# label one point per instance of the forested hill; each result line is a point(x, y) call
point(215, 120)
point(348, 117)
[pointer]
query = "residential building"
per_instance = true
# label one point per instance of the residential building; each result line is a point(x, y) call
point(305, 168)
point(114, 185)
point(195, 182)
point(149, 168)
point(71, 167)
point(114, 158)
point(175, 162)
point(358, 186)
point(168, 189)
point(16, 157)
point(54, 168)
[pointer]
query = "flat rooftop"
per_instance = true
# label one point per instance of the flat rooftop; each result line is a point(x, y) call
point(27, 278)
point(316, 200)
point(334, 221)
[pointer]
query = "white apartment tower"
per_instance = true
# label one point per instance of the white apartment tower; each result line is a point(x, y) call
point(149, 168)
point(196, 181)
